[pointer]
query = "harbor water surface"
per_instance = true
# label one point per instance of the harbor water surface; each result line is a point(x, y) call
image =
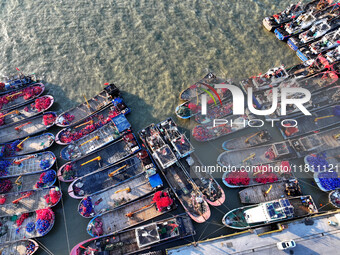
point(151, 50)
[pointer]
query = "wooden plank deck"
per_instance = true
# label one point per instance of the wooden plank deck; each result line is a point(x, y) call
point(32, 203)
point(139, 186)
point(255, 194)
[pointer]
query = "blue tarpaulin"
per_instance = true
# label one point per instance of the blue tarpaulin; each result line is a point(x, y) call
point(121, 122)
point(155, 181)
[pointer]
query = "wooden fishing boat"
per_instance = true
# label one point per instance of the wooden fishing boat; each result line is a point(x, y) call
point(304, 22)
point(15, 228)
point(29, 201)
point(208, 132)
point(319, 29)
point(27, 164)
point(20, 97)
point(179, 142)
point(16, 82)
point(256, 156)
point(272, 78)
point(82, 111)
point(106, 156)
point(28, 182)
point(320, 119)
point(290, 13)
point(22, 247)
point(327, 42)
point(334, 198)
point(250, 140)
point(325, 161)
point(266, 213)
point(212, 191)
point(27, 145)
point(88, 125)
point(112, 175)
point(198, 87)
point(24, 112)
point(120, 194)
point(187, 193)
point(249, 176)
point(102, 136)
point(193, 107)
point(318, 142)
point(131, 214)
point(27, 127)
point(267, 192)
point(160, 151)
point(139, 238)
point(320, 100)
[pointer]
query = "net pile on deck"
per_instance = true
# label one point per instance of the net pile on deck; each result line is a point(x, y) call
point(46, 177)
point(318, 162)
point(238, 178)
point(329, 180)
point(74, 134)
point(26, 93)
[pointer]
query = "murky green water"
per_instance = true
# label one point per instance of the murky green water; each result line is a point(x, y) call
point(152, 50)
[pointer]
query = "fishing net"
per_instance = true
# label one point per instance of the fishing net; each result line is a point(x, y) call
point(29, 228)
point(5, 186)
point(21, 219)
point(2, 199)
point(68, 172)
point(49, 119)
point(67, 119)
point(44, 164)
point(85, 207)
point(238, 178)
point(53, 197)
point(162, 199)
point(3, 167)
point(44, 220)
point(45, 178)
point(42, 103)
point(329, 180)
point(318, 161)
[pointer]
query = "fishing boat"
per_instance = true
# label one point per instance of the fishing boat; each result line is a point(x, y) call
point(215, 112)
point(250, 140)
point(139, 238)
point(208, 132)
point(325, 161)
point(131, 214)
point(20, 97)
point(24, 112)
point(291, 12)
point(22, 247)
point(270, 212)
point(27, 145)
point(322, 99)
point(334, 198)
point(320, 119)
point(29, 201)
point(27, 164)
point(308, 68)
point(187, 193)
point(160, 151)
point(267, 192)
point(28, 182)
point(28, 127)
point(304, 22)
point(248, 176)
point(102, 136)
point(28, 225)
point(178, 141)
point(211, 190)
point(318, 142)
point(327, 42)
point(106, 156)
point(110, 95)
point(120, 194)
point(333, 55)
point(86, 126)
point(256, 156)
point(272, 78)
point(319, 29)
point(16, 82)
point(193, 107)
point(105, 178)
point(199, 87)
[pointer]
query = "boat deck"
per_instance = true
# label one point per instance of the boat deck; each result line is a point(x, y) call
point(31, 164)
point(100, 180)
point(17, 248)
point(32, 203)
point(24, 128)
point(257, 194)
point(36, 143)
point(104, 157)
point(123, 193)
point(247, 141)
point(117, 220)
